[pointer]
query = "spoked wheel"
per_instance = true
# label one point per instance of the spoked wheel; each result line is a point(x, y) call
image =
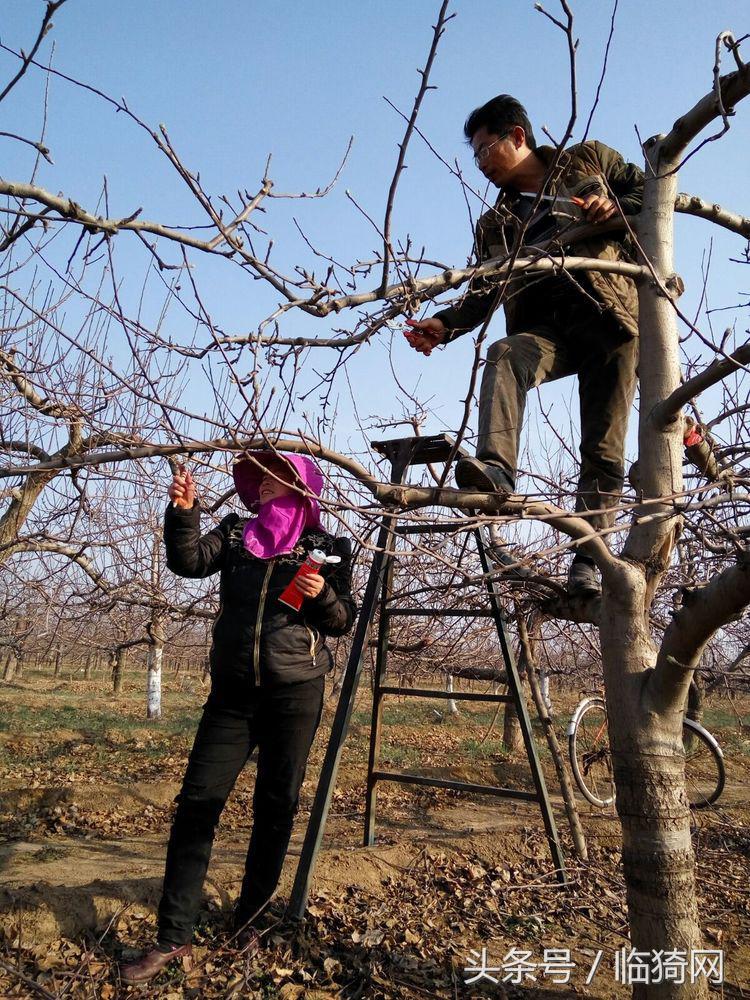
point(588, 747)
point(591, 762)
point(704, 765)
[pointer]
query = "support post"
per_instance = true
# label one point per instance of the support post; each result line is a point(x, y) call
point(327, 781)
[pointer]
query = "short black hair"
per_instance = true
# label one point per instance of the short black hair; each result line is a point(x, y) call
point(497, 115)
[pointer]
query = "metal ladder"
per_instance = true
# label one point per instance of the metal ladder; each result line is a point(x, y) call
point(403, 453)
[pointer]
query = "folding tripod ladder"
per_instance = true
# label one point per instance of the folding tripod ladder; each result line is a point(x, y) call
point(402, 453)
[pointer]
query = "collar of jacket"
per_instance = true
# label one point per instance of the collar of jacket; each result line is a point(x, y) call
point(509, 196)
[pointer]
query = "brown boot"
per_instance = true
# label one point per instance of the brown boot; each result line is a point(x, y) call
point(152, 962)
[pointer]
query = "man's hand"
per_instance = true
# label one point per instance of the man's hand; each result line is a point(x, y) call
point(182, 489)
point(597, 207)
point(309, 585)
point(425, 334)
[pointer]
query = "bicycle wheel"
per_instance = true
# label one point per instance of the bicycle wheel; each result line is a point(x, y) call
point(588, 748)
point(704, 765)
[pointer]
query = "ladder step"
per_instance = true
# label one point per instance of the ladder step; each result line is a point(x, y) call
point(438, 612)
point(447, 695)
point(458, 786)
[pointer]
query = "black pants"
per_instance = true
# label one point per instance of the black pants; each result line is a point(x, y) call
point(281, 722)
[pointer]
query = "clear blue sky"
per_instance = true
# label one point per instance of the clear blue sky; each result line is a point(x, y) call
point(234, 81)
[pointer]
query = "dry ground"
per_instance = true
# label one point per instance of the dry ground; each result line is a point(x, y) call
point(87, 787)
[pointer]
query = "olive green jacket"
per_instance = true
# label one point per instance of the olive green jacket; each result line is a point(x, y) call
point(587, 168)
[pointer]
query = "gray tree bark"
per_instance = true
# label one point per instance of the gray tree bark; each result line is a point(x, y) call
point(646, 689)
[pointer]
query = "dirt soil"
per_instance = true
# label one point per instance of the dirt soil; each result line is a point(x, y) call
point(86, 793)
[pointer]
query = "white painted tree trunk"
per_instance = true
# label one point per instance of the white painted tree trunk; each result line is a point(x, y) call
point(153, 696)
point(155, 630)
point(452, 706)
point(544, 688)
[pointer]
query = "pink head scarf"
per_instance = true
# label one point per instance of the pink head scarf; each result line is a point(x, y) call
point(281, 521)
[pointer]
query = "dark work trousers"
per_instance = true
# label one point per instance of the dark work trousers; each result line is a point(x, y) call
point(281, 722)
point(572, 339)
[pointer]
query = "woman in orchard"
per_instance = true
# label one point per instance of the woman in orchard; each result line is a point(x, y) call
point(268, 663)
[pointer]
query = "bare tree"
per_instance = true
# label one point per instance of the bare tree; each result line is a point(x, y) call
point(95, 403)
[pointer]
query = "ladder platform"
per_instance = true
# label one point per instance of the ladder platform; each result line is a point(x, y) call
point(457, 786)
point(418, 450)
point(446, 695)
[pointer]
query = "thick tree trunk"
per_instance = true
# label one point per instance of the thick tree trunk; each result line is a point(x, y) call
point(9, 666)
point(512, 735)
point(19, 509)
point(58, 661)
point(648, 762)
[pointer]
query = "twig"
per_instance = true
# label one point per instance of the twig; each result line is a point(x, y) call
point(27, 60)
point(438, 29)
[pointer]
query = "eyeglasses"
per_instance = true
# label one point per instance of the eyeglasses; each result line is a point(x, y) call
point(482, 154)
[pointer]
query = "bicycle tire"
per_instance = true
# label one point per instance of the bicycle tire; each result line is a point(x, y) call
point(705, 773)
point(702, 771)
point(584, 758)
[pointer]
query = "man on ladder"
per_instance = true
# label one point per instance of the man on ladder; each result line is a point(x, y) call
point(557, 325)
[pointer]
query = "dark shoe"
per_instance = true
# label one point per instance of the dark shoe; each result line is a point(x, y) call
point(505, 557)
point(471, 474)
point(583, 579)
point(247, 941)
point(154, 961)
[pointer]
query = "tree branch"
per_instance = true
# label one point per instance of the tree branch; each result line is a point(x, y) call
point(52, 7)
point(690, 204)
point(27, 448)
point(703, 612)
point(495, 267)
point(13, 373)
point(387, 494)
point(667, 410)
point(73, 552)
point(733, 87)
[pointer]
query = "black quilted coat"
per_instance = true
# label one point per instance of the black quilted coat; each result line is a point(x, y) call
point(258, 641)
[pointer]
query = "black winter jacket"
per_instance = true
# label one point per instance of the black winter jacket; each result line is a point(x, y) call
point(258, 641)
